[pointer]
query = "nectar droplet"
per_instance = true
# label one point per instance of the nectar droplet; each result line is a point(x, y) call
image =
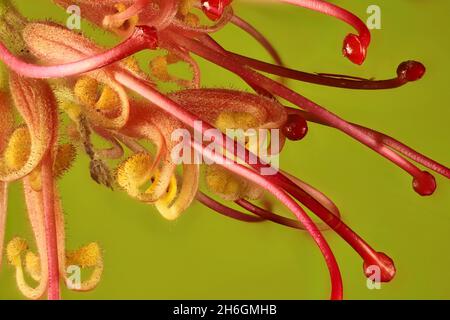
point(411, 70)
point(383, 264)
point(295, 127)
point(353, 49)
point(214, 9)
point(425, 184)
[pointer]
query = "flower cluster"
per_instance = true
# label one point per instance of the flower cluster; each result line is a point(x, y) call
point(54, 73)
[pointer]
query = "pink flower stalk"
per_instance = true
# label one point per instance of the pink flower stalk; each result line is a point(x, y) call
point(94, 87)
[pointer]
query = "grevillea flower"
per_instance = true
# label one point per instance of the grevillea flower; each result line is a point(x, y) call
point(104, 92)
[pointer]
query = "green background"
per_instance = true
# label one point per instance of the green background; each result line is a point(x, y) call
point(204, 255)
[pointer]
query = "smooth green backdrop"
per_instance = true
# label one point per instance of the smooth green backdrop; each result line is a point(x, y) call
point(204, 255)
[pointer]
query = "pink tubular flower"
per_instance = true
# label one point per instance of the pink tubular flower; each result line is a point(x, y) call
point(103, 92)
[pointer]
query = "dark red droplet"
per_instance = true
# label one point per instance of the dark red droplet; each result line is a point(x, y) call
point(214, 9)
point(295, 127)
point(425, 184)
point(353, 49)
point(381, 264)
point(411, 70)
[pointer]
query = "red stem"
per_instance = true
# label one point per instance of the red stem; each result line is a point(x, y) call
point(226, 211)
point(261, 214)
point(387, 141)
point(48, 188)
point(142, 38)
point(367, 253)
point(267, 215)
point(408, 152)
point(339, 81)
point(258, 36)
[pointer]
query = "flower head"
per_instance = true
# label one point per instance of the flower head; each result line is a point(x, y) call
point(104, 93)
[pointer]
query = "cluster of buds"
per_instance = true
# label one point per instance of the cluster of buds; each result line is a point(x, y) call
point(53, 73)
